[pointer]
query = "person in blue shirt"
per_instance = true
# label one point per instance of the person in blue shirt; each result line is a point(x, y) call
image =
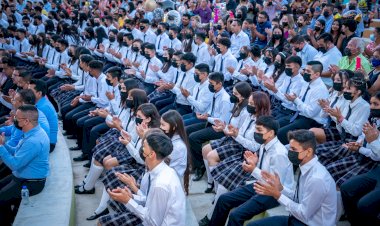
point(259, 34)
point(43, 104)
point(29, 161)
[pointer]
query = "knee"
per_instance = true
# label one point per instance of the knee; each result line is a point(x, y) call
point(97, 163)
point(205, 150)
point(213, 157)
point(319, 135)
point(109, 164)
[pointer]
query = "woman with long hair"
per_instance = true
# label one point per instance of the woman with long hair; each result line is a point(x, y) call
point(278, 40)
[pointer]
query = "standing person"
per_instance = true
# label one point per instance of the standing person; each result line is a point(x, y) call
point(29, 162)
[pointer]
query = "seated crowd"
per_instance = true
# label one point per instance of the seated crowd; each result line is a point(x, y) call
point(277, 102)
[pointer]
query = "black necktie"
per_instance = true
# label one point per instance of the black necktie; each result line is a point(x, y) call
point(249, 126)
point(135, 58)
point(144, 37)
point(287, 88)
point(197, 50)
point(59, 62)
point(147, 192)
point(176, 77)
point(296, 195)
point(159, 43)
point(343, 134)
point(20, 47)
point(213, 105)
point(221, 65)
point(241, 66)
point(303, 100)
point(196, 97)
point(97, 89)
point(334, 102)
point(147, 66)
point(261, 158)
point(183, 78)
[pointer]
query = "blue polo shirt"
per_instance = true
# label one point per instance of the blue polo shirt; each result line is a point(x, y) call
point(47, 108)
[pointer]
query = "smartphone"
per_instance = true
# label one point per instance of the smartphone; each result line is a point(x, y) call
point(358, 63)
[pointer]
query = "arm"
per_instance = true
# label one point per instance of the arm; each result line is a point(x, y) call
point(312, 109)
point(355, 127)
point(25, 153)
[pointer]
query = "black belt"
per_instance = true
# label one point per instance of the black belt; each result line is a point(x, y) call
point(29, 180)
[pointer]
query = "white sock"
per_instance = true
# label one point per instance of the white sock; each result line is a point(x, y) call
point(93, 176)
point(220, 191)
point(208, 172)
point(103, 201)
point(211, 169)
point(86, 178)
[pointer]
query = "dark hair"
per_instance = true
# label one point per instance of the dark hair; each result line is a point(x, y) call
point(262, 103)
point(294, 59)
point(245, 90)
point(174, 119)
point(26, 76)
point(166, 66)
point(216, 76)
point(297, 39)
point(159, 142)
point(225, 41)
point(30, 111)
point(139, 97)
point(149, 110)
point(63, 42)
point(200, 35)
point(115, 72)
point(304, 137)
point(203, 68)
point(316, 66)
point(277, 73)
point(358, 82)
point(86, 58)
point(326, 37)
point(150, 46)
point(190, 57)
point(27, 96)
point(269, 122)
point(40, 86)
point(350, 24)
point(255, 50)
point(96, 64)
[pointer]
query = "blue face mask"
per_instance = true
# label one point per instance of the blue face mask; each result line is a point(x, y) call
point(375, 62)
point(372, 37)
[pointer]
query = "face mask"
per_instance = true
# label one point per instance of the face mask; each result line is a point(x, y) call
point(218, 27)
point(147, 56)
point(277, 64)
point(159, 31)
point(297, 49)
point(188, 36)
point(259, 138)
point(138, 121)
point(123, 95)
point(58, 49)
point(285, 24)
point(17, 37)
point(175, 64)
point(32, 42)
point(323, 5)
point(277, 36)
point(142, 28)
point(326, 14)
point(338, 86)
point(15, 123)
point(351, 6)
point(129, 104)
point(243, 55)
point(211, 88)
point(375, 62)
point(348, 96)
point(306, 77)
point(217, 50)
point(112, 39)
point(96, 24)
point(26, 25)
point(374, 113)
point(233, 99)
point(141, 152)
point(251, 109)
point(288, 71)
point(171, 37)
point(183, 67)
point(372, 37)
point(348, 52)
point(70, 54)
point(299, 24)
point(196, 78)
point(166, 59)
point(293, 158)
point(316, 28)
point(239, 15)
point(108, 82)
point(267, 60)
point(135, 49)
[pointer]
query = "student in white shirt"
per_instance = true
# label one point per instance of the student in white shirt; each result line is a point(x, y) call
point(134, 59)
point(307, 113)
point(21, 45)
point(245, 61)
point(30, 28)
point(175, 43)
point(39, 26)
point(239, 38)
point(270, 157)
point(162, 40)
point(130, 27)
point(200, 49)
point(147, 34)
point(304, 50)
point(165, 199)
point(314, 201)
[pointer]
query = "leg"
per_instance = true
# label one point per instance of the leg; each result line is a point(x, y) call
point(319, 135)
point(276, 220)
point(95, 133)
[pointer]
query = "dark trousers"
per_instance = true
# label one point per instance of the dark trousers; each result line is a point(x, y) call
point(160, 104)
point(68, 124)
point(182, 109)
point(4, 170)
point(278, 221)
point(246, 203)
point(77, 122)
point(300, 123)
point(10, 194)
point(52, 147)
point(149, 87)
point(190, 119)
point(198, 134)
point(92, 126)
point(361, 198)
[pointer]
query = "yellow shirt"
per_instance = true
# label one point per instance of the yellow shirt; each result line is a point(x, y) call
point(345, 63)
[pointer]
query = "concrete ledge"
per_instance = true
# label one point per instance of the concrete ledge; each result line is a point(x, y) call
point(55, 205)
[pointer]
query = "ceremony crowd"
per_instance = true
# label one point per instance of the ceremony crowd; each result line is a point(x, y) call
point(277, 102)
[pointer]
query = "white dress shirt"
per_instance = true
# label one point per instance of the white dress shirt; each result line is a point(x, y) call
point(222, 107)
point(228, 61)
point(21, 46)
point(60, 58)
point(185, 80)
point(165, 203)
point(238, 121)
point(371, 150)
point(79, 84)
point(162, 41)
point(336, 99)
point(202, 54)
point(201, 97)
point(149, 36)
point(114, 104)
point(260, 65)
point(248, 62)
point(238, 41)
point(90, 86)
point(39, 29)
point(316, 194)
point(178, 157)
point(100, 99)
point(89, 43)
point(74, 67)
point(310, 107)
point(307, 54)
point(150, 76)
point(245, 136)
point(275, 160)
point(331, 57)
point(296, 83)
point(176, 44)
point(168, 76)
point(111, 45)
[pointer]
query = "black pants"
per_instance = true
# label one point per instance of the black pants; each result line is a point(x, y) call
point(198, 134)
point(278, 221)
point(182, 109)
point(68, 117)
point(361, 198)
point(149, 87)
point(93, 127)
point(10, 194)
point(52, 147)
point(77, 122)
point(246, 203)
point(301, 122)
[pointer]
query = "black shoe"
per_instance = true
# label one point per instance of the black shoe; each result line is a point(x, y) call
point(90, 192)
point(76, 148)
point(65, 134)
point(210, 187)
point(204, 222)
point(199, 174)
point(72, 137)
point(87, 165)
point(96, 216)
point(81, 158)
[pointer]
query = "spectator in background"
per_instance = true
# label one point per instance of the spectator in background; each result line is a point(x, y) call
point(203, 11)
point(258, 31)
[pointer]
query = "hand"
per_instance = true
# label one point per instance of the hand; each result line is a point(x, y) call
point(334, 112)
point(231, 131)
point(268, 31)
point(128, 180)
point(2, 138)
point(271, 187)
point(110, 95)
point(244, 70)
point(154, 68)
point(74, 102)
point(7, 98)
point(102, 113)
point(324, 103)
point(169, 86)
point(124, 141)
point(252, 70)
point(218, 125)
point(185, 92)
point(269, 84)
point(94, 112)
point(353, 146)
point(122, 195)
point(334, 68)
point(136, 64)
point(141, 129)
point(250, 162)
point(142, 73)
point(116, 121)
point(12, 93)
point(212, 51)
point(371, 132)
point(202, 116)
point(310, 32)
point(291, 97)
point(126, 62)
point(86, 97)
point(230, 70)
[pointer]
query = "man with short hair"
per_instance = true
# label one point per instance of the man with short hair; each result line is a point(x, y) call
point(303, 49)
point(239, 38)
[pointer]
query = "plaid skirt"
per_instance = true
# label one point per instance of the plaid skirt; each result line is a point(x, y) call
point(332, 134)
point(226, 147)
point(229, 172)
point(157, 94)
point(106, 146)
point(328, 152)
point(350, 164)
point(120, 219)
point(132, 168)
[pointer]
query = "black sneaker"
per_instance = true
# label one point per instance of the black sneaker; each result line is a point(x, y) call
point(90, 192)
point(204, 222)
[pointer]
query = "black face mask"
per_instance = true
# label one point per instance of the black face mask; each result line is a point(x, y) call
point(129, 104)
point(96, 24)
point(277, 64)
point(243, 55)
point(171, 37)
point(316, 28)
point(259, 138)
point(351, 6)
point(326, 14)
point(175, 64)
point(288, 71)
point(58, 49)
point(323, 5)
point(374, 113)
point(251, 109)
point(32, 42)
point(17, 37)
point(15, 123)
point(218, 27)
point(128, 29)
point(299, 24)
point(123, 95)
point(108, 82)
point(26, 25)
point(348, 52)
point(135, 49)
point(147, 56)
point(165, 59)
point(348, 96)
point(112, 39)
point(158, 31)
point(285, 24)
point(211, 88)
point(196, 78)
point(70, 54)
point(322, 50)
point(277, 36)
point(217, 50)
point(183, 67)
point(239, 16)
point(267, 60)
point(142, 28)
point(233, 99)
point(338, 86)
point(138, 121)
point(189, 36)
point(306, 77)
point(293, 158)
point(297, 49)
point(141, 152)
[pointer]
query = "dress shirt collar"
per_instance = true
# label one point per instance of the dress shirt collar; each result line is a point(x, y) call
point(225, 54)
point(157, 170)
point(247, 60)
point(294, 78)
point(271, 144)
point(101, 76)
point(239, 34)
point(356, 102)
point(220, 92)
point(205, 83)
point(306, 167)
point(191, 71)
point(175, 137)
point(31, 132)
point(316, 83)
